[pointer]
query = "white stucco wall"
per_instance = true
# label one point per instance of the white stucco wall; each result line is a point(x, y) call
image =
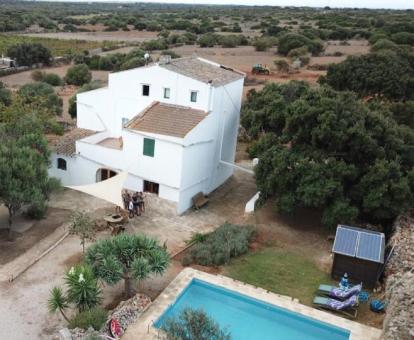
point(182, 167)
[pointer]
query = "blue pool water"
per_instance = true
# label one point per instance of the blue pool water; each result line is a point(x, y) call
point(250, 319)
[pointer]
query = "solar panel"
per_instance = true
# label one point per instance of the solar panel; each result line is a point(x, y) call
point(370, 247)
point(345, 241)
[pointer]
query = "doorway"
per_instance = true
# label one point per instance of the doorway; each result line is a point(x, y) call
point(103, 174)
point(151, 187)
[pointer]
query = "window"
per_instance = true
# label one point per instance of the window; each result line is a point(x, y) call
point(149, 146)
point(193, 96)
point(124, 121)
point(61, 164)
point(167, 93)
point(145, 90)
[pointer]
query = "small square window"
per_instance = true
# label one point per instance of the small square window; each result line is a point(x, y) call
point(145, 90)
point(193, 96)
point(149, 146)
point(167, 93)
point(124, 121)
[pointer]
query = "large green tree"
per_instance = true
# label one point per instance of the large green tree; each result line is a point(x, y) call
point(386, 74)
point(327, 150)
point(127, 257)
point(24, 159)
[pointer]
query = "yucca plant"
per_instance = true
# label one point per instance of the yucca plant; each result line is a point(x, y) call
point(83, 288)
point(127, 257)
point(58, 302)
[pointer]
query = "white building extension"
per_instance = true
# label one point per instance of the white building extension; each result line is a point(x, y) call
point(172, 126)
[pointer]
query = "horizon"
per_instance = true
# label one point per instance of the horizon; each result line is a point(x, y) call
point(338, 4)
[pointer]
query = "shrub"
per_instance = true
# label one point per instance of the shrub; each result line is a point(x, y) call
point(281, 65)
point(52, 79)
point(171, 53)
point(262, 44)
point(37, 75)
point(193, 324)
point(384, 44)
point(95, 318)
point(132, 63)
point(151, 45)
point(208, 40)
point(227, 241)
point(292, 41)
point(298, 52)
point(403, 38)
point(27, 54)
point(5, 95)
point(32, 92)
point(78, 75)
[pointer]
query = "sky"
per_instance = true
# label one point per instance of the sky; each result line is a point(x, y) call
point(394, 4)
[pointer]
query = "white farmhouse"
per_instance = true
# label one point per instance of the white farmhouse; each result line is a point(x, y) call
point(171, 125)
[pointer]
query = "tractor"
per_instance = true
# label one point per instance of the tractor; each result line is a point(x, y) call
point(260, 69)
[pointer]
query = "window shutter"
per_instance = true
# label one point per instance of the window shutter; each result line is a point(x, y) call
point(149, 147)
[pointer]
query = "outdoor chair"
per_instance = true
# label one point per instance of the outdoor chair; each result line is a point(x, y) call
point(346, 308)
point(338, 293)
point(199, 200)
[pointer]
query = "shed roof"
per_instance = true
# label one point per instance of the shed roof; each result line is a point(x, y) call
point(167, 119)
point(360, 243)
point(65, 145)
point(202, 70)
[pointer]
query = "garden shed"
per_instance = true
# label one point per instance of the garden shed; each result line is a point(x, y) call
point(360, 253)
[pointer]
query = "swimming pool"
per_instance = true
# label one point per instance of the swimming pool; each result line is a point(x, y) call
point(247, 318)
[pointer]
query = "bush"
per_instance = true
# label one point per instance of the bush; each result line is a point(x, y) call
point(132, 63)
point(298, 52)
point(262, 44)
point(32, 92)
point(193, 324)
point(52, 79)
point(208, 40)
point(37, 75)
point(152, 45)
point(27, 54)
point(227, 241)
point(292, 41)
point(383, 44)
point(95, 318)
point(5, 95)
point(281, 65)
point(78, 75)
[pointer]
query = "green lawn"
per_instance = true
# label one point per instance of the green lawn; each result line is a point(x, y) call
point(280, 271)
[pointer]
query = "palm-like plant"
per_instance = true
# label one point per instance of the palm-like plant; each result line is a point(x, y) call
point(58, 302)
point(83, 288)
point(127, 257)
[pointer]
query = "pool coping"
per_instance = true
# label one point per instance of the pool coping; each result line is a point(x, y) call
point(144, 328)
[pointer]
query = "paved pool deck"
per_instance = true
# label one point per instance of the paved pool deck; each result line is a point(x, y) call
point(143, 328)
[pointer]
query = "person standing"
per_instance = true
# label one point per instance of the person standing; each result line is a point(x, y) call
point(131, 208)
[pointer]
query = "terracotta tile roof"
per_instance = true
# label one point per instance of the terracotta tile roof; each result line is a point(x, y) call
point(167, 119)
point(203, 71)
point(65, 145)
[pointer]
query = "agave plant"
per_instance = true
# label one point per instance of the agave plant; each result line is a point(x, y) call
point(127, 257)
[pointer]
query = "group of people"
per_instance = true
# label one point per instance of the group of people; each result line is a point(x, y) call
point(134, 203)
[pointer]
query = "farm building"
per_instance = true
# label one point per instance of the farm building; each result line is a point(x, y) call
point(171, 125)
point(360, 253)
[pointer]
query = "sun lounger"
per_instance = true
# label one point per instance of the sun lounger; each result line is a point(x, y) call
point(346, 308)
point(338, 293)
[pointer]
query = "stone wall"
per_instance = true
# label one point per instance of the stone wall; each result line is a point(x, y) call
point(399, 289)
